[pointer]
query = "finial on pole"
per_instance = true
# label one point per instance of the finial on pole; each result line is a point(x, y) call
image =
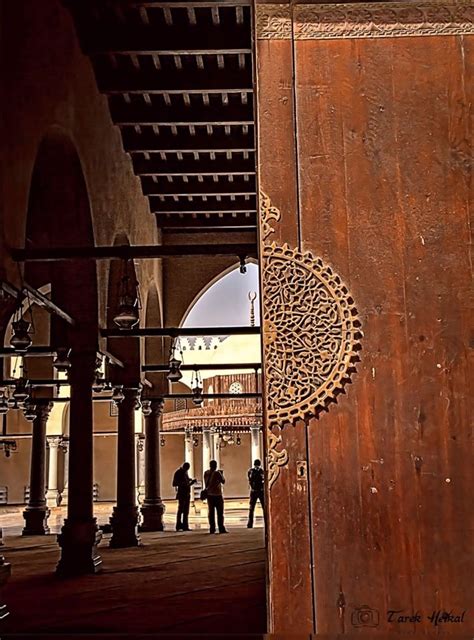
point(252, 297)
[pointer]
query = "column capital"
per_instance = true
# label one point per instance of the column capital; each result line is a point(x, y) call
point(53, 441)
point(157, 407)
point(43, 408)
point(140, 441)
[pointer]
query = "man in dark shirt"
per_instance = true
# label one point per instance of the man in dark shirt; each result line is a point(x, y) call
point(213, 481)
point(256, 477)
point(183, 482)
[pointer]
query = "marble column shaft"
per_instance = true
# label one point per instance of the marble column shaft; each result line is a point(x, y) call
point(124, 518)
point(153, 508)
point(79, 534)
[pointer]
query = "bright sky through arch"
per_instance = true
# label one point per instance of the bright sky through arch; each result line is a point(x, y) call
point(226, 302)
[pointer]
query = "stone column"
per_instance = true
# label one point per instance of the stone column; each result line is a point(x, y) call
point(52, 494)
point(254, 444)
point(189, 452)
point(36, 513)
point(206, 449)
point(153, 508)
point(140, 447)
point(64, 493)
point(124, 518)
point(215, 448)
point(79, 534)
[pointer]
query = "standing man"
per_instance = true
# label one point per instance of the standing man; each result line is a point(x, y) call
point(256, 481)
point(213, 481)
point(182, 483)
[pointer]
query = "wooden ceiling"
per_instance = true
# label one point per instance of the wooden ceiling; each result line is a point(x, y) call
point(179, 80)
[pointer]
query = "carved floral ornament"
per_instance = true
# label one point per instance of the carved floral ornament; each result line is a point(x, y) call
point(311, 334)
point(364, 20)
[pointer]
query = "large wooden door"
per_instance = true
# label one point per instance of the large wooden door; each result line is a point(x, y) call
point(365, 151)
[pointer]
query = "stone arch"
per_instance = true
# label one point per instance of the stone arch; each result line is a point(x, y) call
point(59, 214)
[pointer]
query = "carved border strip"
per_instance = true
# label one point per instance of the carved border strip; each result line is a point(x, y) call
point(364, 20)
point(383, 19)
point(273, 21)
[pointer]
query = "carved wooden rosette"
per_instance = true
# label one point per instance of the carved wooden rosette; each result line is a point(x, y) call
point(311, 335)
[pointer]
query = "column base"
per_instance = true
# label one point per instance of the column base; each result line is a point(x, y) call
point(36, 521)
point(124, 528)
point(78, 541)
point(52, 498)
point(152, 513)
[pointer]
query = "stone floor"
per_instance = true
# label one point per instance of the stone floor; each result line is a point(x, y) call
point(180, 584)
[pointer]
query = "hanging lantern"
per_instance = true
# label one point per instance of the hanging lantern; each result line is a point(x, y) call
point(146, 407)
point(12, 403)
point(3, 404)
point(21, 338)
point(118, 395)
point(162, 441)
point(62, 363)
point(129, 302)
point(174, 373)
point(197, 395)
point(20, 393)
point(238, 441)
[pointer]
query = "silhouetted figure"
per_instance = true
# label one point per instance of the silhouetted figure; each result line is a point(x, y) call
point(213, 481)
point(183, 482)
point(256, 481)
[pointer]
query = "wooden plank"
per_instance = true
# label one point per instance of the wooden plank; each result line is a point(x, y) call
point(289, 581)
point(166, 141)
point(372, 117)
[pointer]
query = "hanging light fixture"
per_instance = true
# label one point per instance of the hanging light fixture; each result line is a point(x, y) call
point(62, 363)
point(129, 300)
point(21, 338)
point(146, 407)
point(3, 403)
point(197, 390)
point(238, 440)
point(20, 393)
point(118, 395)
point(174, 374)
point(162, 441)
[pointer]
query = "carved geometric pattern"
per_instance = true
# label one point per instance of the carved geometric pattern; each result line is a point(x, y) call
point(273, 21)
point(383, 19)
point(275, 459)
point(311, 333)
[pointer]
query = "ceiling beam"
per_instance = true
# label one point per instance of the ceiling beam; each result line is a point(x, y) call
point(237, 222)
point(127, 252)
point(205, 367)
point(193, 187)
point(174, 332)
point(188, 166)
point(239, 205)
point(148, 142)
point(124, 114)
